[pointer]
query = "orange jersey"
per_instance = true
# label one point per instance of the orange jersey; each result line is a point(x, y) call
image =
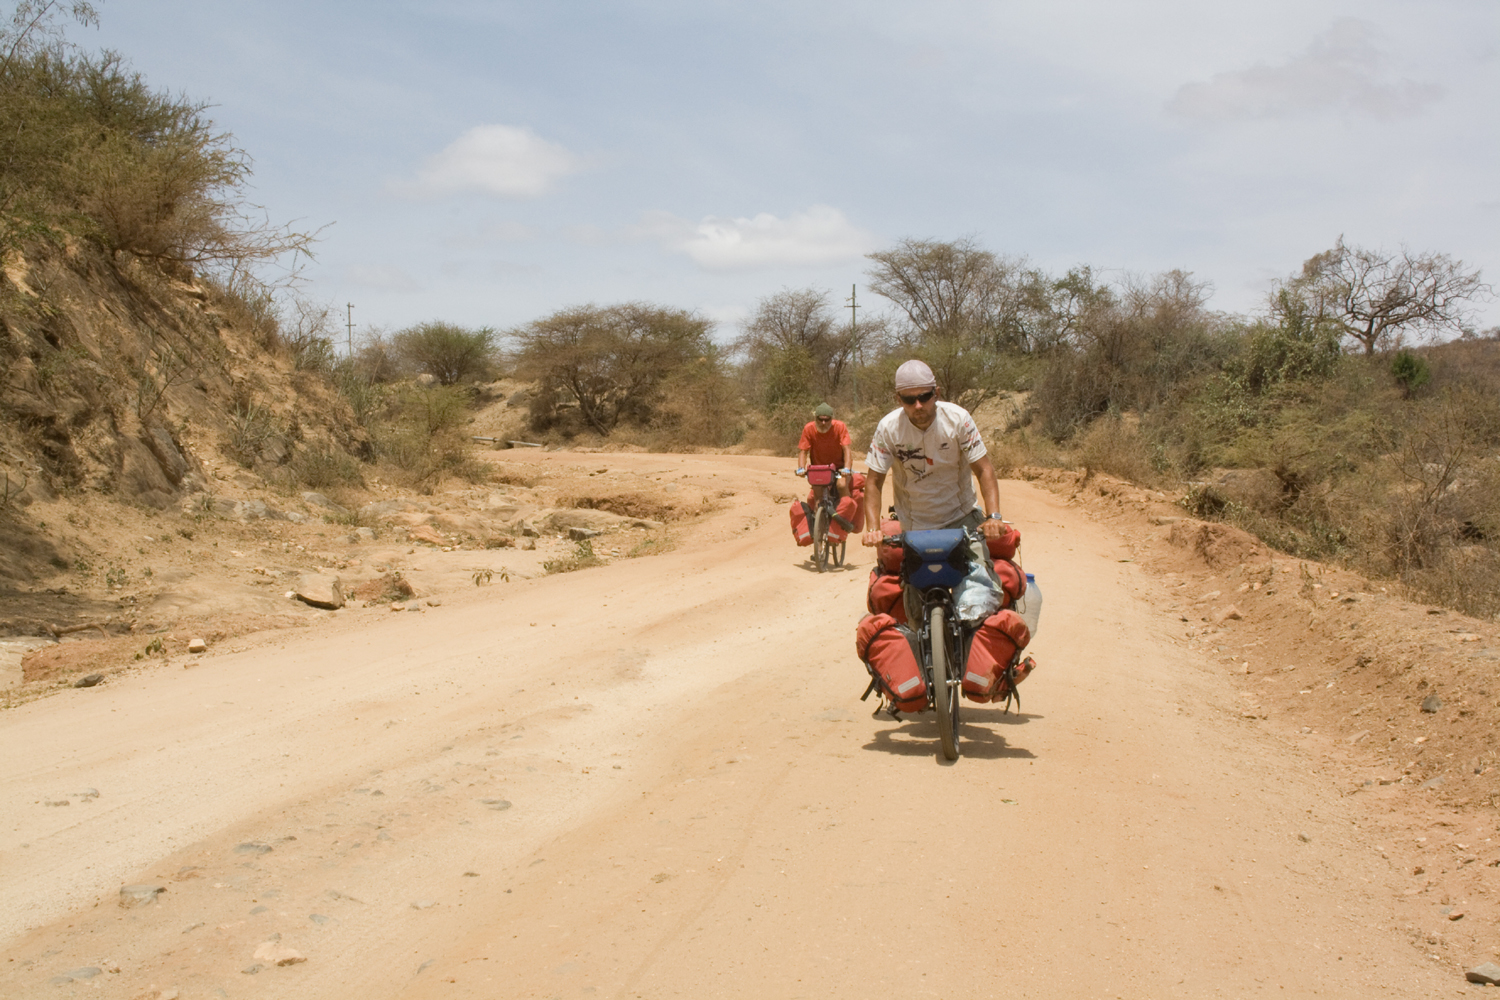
point(827, 447)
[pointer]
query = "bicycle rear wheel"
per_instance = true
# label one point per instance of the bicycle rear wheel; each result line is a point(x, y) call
point(944, 697)
point(820, 539)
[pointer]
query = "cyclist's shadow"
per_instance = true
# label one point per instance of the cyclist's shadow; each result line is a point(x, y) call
point(977, 736)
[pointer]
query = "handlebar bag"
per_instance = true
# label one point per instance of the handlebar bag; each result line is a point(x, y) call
point(889, 652)
point(938, 558)
point(819, 475)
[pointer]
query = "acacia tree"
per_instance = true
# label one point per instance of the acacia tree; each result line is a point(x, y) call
point(795, 348)
point(449, 353)
point(612, 360)
point(1376, 298)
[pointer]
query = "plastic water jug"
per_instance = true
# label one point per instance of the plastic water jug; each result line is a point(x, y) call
point(1031, 604)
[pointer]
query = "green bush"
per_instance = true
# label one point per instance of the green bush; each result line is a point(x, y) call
point(451, 354)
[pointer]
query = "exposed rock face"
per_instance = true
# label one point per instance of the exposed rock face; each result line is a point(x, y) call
point(120, 379)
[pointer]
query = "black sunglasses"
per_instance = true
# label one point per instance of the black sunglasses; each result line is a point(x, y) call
point(919, 398)
point(823, 420)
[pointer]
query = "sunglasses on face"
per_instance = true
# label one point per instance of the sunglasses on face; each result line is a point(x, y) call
point(825, 420)
point(920, 397)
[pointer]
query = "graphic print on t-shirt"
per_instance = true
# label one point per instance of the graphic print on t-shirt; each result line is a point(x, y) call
point(915, 460)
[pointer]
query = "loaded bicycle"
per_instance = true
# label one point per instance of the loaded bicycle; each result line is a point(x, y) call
point(823, 512)
point(950, 605)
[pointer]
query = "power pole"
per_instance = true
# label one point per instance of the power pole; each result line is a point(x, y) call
point(349, 329)
point(854, 337)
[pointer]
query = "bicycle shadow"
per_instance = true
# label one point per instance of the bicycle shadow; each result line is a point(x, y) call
point(808, 566)
point(918, 736)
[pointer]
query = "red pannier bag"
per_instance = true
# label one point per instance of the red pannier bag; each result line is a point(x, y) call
point(1012, 581)
point(856, 482)
point(837, 532)
point(991, 650)
point(889, 651)
point(1005, 546)
point(884, 597)
point(890, 557)
point(858, 520)
point(801, 530)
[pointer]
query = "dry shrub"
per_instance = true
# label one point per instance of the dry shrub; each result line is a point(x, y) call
point(1114, 445)
point(323, 466)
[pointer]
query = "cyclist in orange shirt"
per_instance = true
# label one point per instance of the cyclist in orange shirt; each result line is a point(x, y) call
point(825, 441)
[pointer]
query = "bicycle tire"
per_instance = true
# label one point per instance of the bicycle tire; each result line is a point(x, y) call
point(838, 557)
point(944, 698)
point(820, 539)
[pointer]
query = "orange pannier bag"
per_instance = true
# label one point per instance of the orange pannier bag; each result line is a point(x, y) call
point(1005, 546)
point(994, 647)
point(801, 530)
point(889, 651)
point(1012, 581)
point(884, 597)
point(846, 509)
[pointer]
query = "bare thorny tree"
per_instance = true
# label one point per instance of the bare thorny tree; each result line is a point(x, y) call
point(1377, 298)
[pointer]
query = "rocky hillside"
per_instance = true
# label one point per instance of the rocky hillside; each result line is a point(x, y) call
point(122, 380)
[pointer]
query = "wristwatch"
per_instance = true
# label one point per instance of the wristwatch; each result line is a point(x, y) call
point(995, 517)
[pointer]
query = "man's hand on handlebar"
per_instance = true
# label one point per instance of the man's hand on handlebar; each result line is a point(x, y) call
point(801, 472)
point(993, 528)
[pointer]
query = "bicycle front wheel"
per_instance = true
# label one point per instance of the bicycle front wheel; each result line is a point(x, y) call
point(820, 539)
point(944, 698)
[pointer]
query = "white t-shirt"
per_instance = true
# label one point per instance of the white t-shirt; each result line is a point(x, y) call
point(929, 469)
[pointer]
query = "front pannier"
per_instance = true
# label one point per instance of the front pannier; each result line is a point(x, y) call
point(994, 647)
point(889, 652)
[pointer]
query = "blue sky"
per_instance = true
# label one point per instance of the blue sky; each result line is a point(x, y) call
point(487, 163)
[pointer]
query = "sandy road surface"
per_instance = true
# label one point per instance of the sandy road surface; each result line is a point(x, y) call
point(655, 779)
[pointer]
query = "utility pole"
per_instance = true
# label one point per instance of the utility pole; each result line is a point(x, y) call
point(854, 337)
point(349, 329)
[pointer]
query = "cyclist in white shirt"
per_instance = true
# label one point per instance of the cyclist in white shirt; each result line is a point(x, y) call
point(933, 453)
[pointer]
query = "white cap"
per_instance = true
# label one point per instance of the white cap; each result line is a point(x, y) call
point(914, 375)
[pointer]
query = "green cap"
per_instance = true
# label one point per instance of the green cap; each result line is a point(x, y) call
point(823, 410)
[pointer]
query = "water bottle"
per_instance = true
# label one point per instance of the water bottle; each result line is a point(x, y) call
point(1031, 604)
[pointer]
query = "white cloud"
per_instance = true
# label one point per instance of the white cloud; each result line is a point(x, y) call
point(820, 235)
point(497, 160)
point(1339, 70)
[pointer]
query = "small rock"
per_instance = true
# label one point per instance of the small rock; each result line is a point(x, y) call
point(498, 804)
point(253, 848)
point(139, 895)
point(426, 534)
point(197, 646)
point(89, 681)
point(318, 918)
point(87, 972)
point(1431, 704)
point(274, 952)
point(583, 534)
point(433, 602)
point(1488, 974)
point(362, 535)
point(423, 904)
point(251, 970)
point(320, 590)
point(1229, 614)
point(1456, 915)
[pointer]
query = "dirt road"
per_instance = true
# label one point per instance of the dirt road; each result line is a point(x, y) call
point(656, 779)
